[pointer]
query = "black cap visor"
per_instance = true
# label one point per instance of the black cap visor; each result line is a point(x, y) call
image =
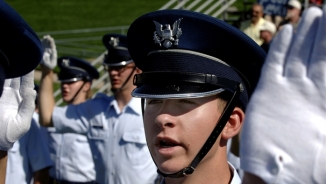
point(176, 85)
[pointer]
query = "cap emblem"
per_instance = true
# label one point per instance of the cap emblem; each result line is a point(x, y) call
point(166, 36)
point(65, 62)
point(114, 41)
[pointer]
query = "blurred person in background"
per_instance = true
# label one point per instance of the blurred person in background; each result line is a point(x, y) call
point(293, 14)
point(267, 32)
point(251, 27)
point(70, 152)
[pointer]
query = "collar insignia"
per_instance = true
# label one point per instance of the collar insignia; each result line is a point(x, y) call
point(114, 41)
point(167, 36)
point(65, 62)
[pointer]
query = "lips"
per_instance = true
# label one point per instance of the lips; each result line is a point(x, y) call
point(166, 142)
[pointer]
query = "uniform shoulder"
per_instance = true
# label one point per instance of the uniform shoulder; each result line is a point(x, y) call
point(101, 97)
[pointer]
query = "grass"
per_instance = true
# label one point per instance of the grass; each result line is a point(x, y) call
point(53, 15)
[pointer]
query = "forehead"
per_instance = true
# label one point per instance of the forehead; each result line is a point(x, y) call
point(257, 8)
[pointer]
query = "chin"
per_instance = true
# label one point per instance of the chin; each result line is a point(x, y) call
point(171, 166)
point(65, 99)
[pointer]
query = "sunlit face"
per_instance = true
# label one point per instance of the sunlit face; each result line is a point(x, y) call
point(177, 129)
point(119, 75)
point(292, 12)
point(256, 12)
point(264, 34)
point(70, 89)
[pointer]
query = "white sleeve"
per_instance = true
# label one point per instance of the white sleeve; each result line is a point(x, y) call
point(70, 119)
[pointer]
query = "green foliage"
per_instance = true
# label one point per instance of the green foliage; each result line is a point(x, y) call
point(53, 15)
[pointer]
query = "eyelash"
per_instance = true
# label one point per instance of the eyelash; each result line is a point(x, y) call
point(186, 101)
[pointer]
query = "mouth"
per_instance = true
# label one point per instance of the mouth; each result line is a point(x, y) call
point(167, 147)
point(166, 144)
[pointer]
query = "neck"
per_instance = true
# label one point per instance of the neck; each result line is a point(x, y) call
point(255, 21)
point(123, 97)
point(268, 39)
point(210, 170)
point(294, 19)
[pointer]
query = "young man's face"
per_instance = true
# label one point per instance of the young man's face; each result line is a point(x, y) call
point(177, 129)
point(70, 89)
point(119, 75)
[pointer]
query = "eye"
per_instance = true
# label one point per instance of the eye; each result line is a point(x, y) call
point(153, 101)
point(186, 101)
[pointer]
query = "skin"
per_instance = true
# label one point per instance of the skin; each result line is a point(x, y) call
point(3, 166)
point(266, 36)
point(293, 15)
point(118, 76)
point(70, 89)
point(257, 12)
point(181, 121)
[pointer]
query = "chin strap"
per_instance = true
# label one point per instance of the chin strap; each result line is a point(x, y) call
point(123, 85)
point(73, 98)
point(211, 139)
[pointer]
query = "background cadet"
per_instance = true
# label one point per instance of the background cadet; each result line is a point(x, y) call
point(70, 152)
point(113, 125)
point(29, 159)
point(293, 14)
point(17, 95)
point(195, 91)
point(284, 134)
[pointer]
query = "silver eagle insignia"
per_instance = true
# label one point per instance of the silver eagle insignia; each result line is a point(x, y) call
point(65, 62)
point(166, 36)
point(114, 41)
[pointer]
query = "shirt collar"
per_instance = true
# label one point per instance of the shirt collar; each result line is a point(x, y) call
point(134, 104)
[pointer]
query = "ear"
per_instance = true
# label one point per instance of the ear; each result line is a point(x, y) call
point(87, 86)
point(233, 126)
point(138, 71)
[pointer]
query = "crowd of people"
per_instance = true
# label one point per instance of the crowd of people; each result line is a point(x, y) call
point(198, 101)
point(262, 28)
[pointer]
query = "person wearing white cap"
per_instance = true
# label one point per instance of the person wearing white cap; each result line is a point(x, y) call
point(267, 32)
point(293, 14)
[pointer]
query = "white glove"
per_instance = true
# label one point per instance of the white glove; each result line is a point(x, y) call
point(284, 134)
point(17, 105)
point(49, 52)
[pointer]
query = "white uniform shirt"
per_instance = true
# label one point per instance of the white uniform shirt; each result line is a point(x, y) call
point(72, 157)
point(28, 155)
point(235, 179)
point(117, 139)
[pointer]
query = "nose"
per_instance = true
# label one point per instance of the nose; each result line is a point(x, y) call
point(113, 72)
point(64, 85)
point(165, 118)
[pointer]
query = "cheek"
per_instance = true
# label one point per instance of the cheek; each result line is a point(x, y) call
point(149, 122)
point(200, 123)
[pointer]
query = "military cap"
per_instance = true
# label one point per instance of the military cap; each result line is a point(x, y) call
point(74, 69)
point(118, 54)
point(186, 54)
point(20, 48)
